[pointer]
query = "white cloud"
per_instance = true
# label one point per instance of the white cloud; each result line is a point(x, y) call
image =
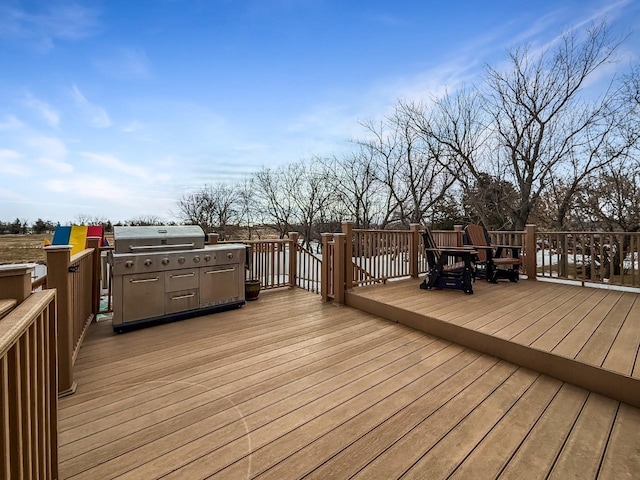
point(11, 163)
point(98, 193)
point(113, 164)
point(89, 186)
point(43, 109)
point(97, 115)
point(69, 21)
point(133, 127)
point(125, 62)
point(9, 194)
point(10, 122)
point(49, 147)
point(56, 165)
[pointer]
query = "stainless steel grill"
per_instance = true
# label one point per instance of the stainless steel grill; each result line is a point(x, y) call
point(162, 273)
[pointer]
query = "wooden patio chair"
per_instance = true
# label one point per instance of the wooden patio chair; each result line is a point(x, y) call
point(493, 262)
point(449, 267)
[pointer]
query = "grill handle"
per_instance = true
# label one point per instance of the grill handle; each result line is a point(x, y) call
point(146, 280)
point(181, 297)
point(227, 270)
point(161, 247)
point(183, 275)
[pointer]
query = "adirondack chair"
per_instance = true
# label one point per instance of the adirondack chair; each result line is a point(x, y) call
point(449, 267)
point(491, 261)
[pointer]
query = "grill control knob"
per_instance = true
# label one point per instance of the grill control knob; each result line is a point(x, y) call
point(207, 258)
point(165, 261)
point(128, 264)
point(181, 260)
point(147, 262)
point(196, 259)
point(229, 255)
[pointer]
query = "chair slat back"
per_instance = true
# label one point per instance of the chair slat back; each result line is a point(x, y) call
point(430, 243)
point(477, 235)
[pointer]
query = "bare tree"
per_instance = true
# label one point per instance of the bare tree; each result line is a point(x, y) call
point(412, 171)
point(382, 146)
point(355, 180)
point(213, 207)
point(310, 188)
point(145, 220)
point(612, 202)
point(277, 207)
point(247, 205)
point(530, 121)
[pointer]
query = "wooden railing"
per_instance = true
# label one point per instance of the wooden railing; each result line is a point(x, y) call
point(447, 238)
point(372, 256)
point(328, 265)
point(76, 279)
point(381, 254)
point(517, 239)
point(590, 257)
point(281, 263)
point(268, 262)
point(309, 268)
point(28, 390)
point(106, 279)
point(375, 256)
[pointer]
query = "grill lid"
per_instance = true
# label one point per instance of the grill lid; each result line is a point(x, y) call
point(159, 239)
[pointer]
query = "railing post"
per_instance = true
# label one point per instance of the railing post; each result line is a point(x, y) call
point(15, 282)
point(213, 238)
point(58, 259)
point(339, 260)
point(293, 259)
point(530, 251)
point(459, 230)
point(324, 272)
point(414, 241)
point(347, 229)
point(94, 242)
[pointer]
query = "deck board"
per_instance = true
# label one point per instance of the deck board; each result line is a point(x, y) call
point(584, 449)
point(360, 439)
point(627, 340)
point(585, 324)
point(288, 387)
point(544, 442)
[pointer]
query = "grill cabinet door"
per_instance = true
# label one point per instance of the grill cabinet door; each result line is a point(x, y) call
point(181, 287)
point(143, 296)
point(181, 280)
point(180, 301)
point(219, 284)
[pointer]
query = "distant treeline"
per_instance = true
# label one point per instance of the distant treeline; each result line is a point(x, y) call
point(22, 226)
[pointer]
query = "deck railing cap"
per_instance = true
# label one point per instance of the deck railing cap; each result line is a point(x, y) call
point(58, 248)
point(16, 269)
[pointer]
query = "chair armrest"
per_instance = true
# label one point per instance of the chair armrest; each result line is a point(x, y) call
point(458, 250)
point(481, 247)
point(519, 247)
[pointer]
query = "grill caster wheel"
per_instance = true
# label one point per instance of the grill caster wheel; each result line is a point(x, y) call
point(118, 330)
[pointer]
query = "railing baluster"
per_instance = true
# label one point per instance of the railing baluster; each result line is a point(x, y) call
point(5, 439)
point(15, 413)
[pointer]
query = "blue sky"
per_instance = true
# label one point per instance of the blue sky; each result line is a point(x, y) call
point(115, 108)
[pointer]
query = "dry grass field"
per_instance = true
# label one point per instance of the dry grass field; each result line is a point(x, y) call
point(22, 248)
point(29, 248)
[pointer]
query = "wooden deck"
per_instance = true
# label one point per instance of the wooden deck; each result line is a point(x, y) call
point(289, 387)
point(590, 337)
